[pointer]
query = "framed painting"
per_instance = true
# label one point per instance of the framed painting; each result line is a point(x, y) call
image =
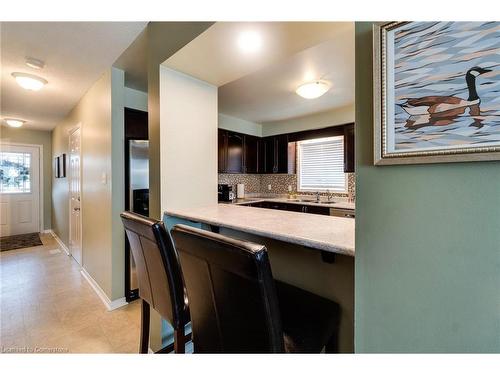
point(57, 168)
point(436, 92)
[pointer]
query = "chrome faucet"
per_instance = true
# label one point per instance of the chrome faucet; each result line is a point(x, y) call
point(329, 195)
point(317, 196)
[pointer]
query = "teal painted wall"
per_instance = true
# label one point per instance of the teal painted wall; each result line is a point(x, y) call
point(427, 245)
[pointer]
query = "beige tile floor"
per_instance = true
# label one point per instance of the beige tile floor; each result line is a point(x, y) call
point(47, 306)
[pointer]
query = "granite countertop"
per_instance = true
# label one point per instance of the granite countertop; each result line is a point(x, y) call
point(302, 201)
point(328, 233)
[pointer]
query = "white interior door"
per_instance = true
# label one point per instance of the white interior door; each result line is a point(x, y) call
point(19, 189)
point(75, 215)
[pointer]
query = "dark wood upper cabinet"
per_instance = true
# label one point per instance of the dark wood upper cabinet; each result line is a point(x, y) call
point(269, 155)
point(349, 164)
point(234, 159)
point(222, 150)
point(275, 154)
point(242, 153)
point(251, 156)
point(281, 150)
point(261, 156)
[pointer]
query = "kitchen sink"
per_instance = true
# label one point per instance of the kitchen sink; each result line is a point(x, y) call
point(310, 201)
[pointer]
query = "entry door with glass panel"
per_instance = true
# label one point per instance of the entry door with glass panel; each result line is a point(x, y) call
point(75, 218)
point(19, 189)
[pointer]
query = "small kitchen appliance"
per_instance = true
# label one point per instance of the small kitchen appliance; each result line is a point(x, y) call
point(225, 193)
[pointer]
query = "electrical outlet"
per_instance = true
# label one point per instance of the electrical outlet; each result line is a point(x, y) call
point(269, 187)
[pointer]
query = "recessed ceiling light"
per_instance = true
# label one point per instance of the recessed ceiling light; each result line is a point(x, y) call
point(249, 41)
point(14, 123)
point(29, 81)
point(34, 63)
point(313, 90)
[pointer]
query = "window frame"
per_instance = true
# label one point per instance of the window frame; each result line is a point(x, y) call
point(299, 164)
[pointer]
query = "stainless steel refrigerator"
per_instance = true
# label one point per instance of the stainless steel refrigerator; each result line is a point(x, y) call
point(138, 199)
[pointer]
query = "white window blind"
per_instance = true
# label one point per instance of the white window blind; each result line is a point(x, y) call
point(321, 164)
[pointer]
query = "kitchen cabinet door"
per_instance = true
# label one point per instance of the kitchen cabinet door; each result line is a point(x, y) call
point(317, 210)
point(261, 156)
point(221, 150)
point(281, 153)
point(269, 155)
point(294, 207)
point(234, 159)
point(349, 148)
point(251, 154)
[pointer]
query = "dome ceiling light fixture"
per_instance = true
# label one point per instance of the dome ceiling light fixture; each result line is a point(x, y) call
point(34, 63)
point(29, 81)
point(314, 89)
point(14, 123)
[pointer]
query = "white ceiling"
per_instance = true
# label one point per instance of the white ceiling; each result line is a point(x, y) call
point(269, 94)
point(214, 55)
point(260, 87)
point(75, 53)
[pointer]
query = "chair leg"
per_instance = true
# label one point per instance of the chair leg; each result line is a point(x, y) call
point(332, 346)
point(179, 341)
point(144, 345)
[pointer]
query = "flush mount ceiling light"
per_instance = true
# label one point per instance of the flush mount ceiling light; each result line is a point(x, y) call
point(34, 63)
point(313, 90)
point(29, 81)
point(249, 41)
point(14, 123)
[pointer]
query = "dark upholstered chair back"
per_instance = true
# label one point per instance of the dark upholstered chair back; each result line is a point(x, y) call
point(158, 272)
point(232, 296)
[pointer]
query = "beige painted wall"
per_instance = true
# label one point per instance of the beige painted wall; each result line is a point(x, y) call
point(102, 180)
point(164, 39)
point(333, 117)
point(36, 137)
point(239, 125)
point(188, 135)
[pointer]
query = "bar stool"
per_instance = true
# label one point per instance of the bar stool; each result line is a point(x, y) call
point(159, 277)
point(237, 307)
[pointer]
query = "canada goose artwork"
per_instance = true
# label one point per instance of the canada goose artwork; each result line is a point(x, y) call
point(443, 86)
point(430, 105)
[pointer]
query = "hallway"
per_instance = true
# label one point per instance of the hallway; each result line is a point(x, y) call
point(47, 306)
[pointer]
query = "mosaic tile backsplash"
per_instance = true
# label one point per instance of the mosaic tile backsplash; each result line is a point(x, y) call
point(258, 183)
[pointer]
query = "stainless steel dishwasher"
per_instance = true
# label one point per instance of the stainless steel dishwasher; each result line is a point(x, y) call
point(342, 212)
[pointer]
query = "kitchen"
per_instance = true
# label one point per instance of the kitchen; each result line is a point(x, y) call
point(285, 152)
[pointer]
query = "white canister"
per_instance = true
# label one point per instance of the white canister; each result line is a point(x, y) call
point(240, 191)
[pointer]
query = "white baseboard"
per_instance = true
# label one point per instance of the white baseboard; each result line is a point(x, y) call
point(110, 305)
point(59, 241)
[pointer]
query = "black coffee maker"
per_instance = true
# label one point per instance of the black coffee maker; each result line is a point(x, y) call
point(226, 193)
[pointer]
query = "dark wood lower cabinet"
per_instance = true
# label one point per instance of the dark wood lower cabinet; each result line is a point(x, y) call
point(318, 210)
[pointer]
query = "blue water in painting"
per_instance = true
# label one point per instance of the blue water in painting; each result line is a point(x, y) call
point(431, 59)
